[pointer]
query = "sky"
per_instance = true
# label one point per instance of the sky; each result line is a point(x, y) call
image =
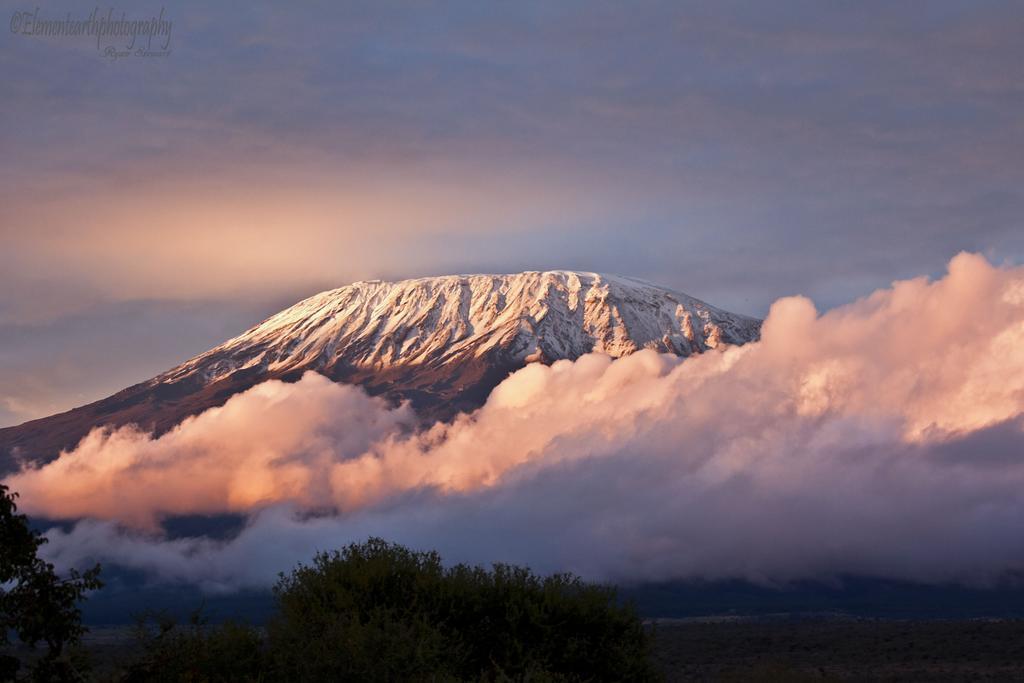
point(151, 207)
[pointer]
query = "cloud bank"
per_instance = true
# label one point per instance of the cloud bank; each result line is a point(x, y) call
point(885, 437)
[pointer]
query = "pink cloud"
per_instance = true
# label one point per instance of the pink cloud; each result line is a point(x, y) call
point(853, 441)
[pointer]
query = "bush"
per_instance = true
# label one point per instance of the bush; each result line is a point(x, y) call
point(197, 653)
point(379, 611)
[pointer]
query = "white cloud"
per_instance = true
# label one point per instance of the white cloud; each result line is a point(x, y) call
point(881, 438)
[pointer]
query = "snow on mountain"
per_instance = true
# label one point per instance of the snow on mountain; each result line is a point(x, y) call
point(441, 342)
point(532, 316)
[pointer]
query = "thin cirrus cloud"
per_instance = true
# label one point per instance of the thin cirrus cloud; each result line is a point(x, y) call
point(735, 151)
point(252, 238)
point(882, 437)
point(741, 140)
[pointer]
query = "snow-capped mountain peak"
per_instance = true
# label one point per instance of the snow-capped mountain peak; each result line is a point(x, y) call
point(440, 342)
point(532, 316)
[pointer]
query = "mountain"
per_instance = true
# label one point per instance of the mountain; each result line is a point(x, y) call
point(442, 342)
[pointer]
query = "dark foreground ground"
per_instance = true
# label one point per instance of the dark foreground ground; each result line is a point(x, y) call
point(856, 629)
point(780, 649)
point(840, 649)
point(871, 630)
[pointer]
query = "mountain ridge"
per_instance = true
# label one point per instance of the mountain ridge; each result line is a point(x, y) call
point(441, 343)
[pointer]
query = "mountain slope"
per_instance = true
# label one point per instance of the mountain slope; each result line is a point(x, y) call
point(442, 343)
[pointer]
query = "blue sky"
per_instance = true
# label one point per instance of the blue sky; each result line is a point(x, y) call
point(738, 151)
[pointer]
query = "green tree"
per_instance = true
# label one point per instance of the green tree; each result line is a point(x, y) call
point(36, 605)
point(379, 611)
point(196, 652)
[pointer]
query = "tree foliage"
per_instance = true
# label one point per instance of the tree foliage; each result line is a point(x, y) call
point(379, 611)
point(376, 611)
point(197, 652)
point(36, 605)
